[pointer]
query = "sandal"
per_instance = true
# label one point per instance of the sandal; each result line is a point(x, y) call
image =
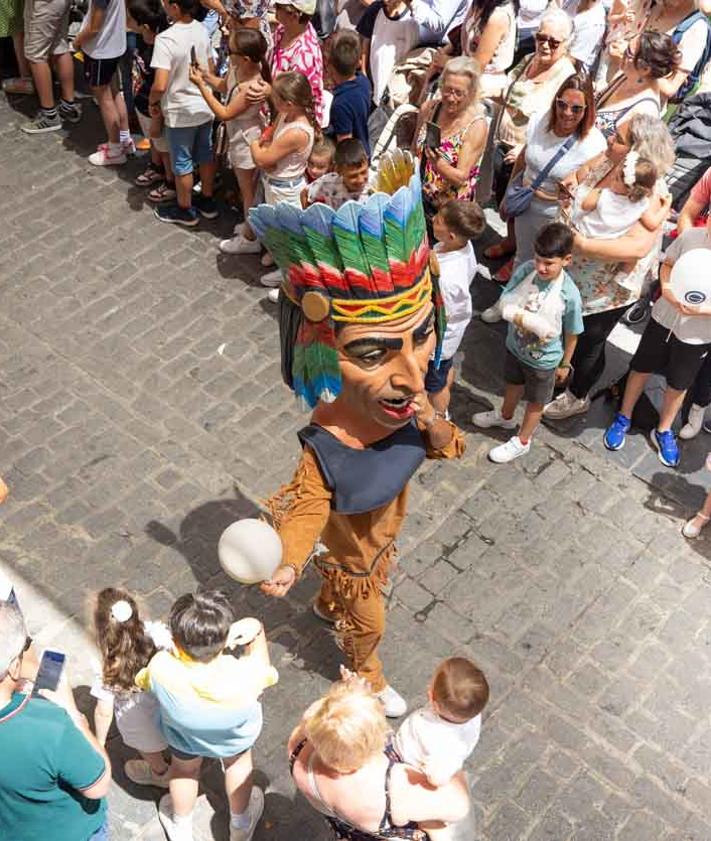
point(692, 531)
point(150, 175)
point(162, 193)
point(499, 251)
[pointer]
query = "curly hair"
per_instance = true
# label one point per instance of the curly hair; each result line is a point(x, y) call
point(125, 646)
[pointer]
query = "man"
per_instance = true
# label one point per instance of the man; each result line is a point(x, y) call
point(46, 28)
point(53, 773)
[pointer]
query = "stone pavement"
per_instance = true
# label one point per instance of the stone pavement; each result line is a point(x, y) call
point(142, 411)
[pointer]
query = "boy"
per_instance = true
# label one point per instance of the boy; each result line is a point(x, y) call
point(352, 92)
point(389, 32)
point(675, 342)
point(454, 225)
point(348, 183)
point(188, 118)
point(544, 311)
point(102, 39)
point(209, 708)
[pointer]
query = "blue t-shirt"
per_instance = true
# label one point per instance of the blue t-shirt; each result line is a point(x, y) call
point(528, 347)
point(350, 109)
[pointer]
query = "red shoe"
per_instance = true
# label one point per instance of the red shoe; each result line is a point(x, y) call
point(503, 276)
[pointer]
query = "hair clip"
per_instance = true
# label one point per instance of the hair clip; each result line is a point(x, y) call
point(629, 169)
point(121, 611)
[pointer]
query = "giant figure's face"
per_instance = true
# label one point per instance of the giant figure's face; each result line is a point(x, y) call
point(383, 367)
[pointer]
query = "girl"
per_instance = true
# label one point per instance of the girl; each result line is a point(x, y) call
point(243, 120)
point(284, 149)
point(127, 645)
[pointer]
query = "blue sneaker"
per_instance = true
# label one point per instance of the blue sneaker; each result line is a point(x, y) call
point(206, 206)
point(177, 215)
point(667, 448)
point(614, 437)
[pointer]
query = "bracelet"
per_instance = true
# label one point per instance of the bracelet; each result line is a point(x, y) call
point(565, 365)
point(435, 416)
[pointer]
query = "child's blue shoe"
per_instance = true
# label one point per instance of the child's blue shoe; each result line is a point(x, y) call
point(614, 437)
point(667, 448)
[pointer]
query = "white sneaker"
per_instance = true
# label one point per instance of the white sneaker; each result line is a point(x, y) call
point(507, 452)
point(255, 810)
point(484, 420)
point(141, 773)
point(273, 295)
point(267, 260)
point(694, 422)
point(240, 245)
point(395, 705)
point(175, 832)
point(492, 314)
point(104, 157)
point(565, 406)
point(274, 278)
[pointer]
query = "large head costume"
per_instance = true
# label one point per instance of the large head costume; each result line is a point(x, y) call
point(363, 264)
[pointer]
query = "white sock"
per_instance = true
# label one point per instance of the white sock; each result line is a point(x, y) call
point(240, 820)
point(124, 135)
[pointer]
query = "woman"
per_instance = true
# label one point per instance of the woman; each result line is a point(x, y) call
point(608, 292)
point(341, 762)
point(451, 170)
point(533, 85)
point(649, 59)
point(569, 123)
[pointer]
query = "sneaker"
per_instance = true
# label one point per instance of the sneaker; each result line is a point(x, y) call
point(692, 528)
point(175, 832)
point(667, 448)
point(565, 406)
point(614, 437)
point(274, 278)
point(43, 124)
point(322, 614)
point(175, 215)
point(19, 85)
point(694, 422)
point(507, 452)
point(239, 245)
point(141, 773)
point(395, 705)
point(105, 157)
point(273, 295)
point(69, 111)
point(255, 810)
point(267, 260)
point(484, 420)
point(129, 147)
point(492, 314)
point(206, 206)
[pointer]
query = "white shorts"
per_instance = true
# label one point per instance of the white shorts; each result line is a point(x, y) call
point(138, 721)
point(291, 195)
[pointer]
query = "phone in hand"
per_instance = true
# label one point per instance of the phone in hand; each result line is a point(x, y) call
point(49, 672)
point(193, 57)
point(433, 137)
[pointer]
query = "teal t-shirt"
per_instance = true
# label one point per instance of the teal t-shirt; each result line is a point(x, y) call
point(44, 763)
point(528, 347)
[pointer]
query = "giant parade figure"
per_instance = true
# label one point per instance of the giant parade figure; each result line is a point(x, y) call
point(360, 317)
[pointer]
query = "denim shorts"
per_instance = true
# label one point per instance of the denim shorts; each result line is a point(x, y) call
point(189, 144)
point(436, 378)
point(102, 833)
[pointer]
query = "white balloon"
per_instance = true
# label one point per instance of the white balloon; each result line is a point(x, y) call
point(249, 551)
point(690, 278)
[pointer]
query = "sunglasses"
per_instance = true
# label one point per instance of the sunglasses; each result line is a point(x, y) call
point(553, 43)
point(564, 106)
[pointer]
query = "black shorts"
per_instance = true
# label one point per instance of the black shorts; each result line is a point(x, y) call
point(502, 171)
point(99, 71)
point(538, 383)
point(436, 378)
point(660, 352)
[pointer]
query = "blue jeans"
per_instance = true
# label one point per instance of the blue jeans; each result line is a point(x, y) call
point(102, 833)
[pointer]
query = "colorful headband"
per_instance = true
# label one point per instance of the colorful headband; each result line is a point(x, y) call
point(629, 169)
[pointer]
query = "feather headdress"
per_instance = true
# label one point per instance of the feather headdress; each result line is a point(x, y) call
point(366, 263)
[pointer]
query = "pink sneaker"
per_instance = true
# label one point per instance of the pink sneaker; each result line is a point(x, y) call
point(104, 157)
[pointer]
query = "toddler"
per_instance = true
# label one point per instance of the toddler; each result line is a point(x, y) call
point(209, 703)
point(348, 183)
point(454, 225)
point(127, 645)
point(321, 159)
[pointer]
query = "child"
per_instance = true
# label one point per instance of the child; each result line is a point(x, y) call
point(321, 159)
point(439, 738)
point(348, 183)
point(127, 645)
point(147, 18)
point(209, 707)
point(284, 152)
point(102, 39)
point(188, 118)
point(675, 342)
point(243, 121)
point(352, 92)
point(454, 225)
point(544, 309)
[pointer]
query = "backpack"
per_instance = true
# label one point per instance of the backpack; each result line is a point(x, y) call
point(694, 76)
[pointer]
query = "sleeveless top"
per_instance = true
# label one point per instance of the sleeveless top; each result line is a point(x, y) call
point(251, 118)
point(292, 165)
point(607, 119)
point(345, 831)
point(504, 53)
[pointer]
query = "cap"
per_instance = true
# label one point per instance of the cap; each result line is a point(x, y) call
point(306, 7)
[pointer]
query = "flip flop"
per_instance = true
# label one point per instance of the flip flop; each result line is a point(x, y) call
point(498, 252)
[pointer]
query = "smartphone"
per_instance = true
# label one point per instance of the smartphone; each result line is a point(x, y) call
point(433, 138)
point(49, 672)
point(193, 56)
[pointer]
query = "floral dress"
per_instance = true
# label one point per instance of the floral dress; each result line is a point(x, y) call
point(304, 56)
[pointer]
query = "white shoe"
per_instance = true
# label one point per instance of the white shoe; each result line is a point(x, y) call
point(694, 422)
point(267, 260)
point(175, 832)
point(395, 705)
point(255, 810)
point(492, 314)
point(273, 295)
point(484, 420)
point(274, 278)
point(692, 529)
point(141, 773)
point(565, 406)
point(240, 245)
point(509, 451)
point(104, 157)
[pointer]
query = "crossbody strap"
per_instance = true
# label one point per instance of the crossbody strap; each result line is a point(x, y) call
point(543, 174)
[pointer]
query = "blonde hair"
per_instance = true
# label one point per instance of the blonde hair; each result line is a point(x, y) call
point(651, 139)
point(462, 65)
point(459, 689)
point(346, 727)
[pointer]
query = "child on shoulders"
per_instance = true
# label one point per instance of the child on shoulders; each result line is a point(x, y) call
point(348, 183)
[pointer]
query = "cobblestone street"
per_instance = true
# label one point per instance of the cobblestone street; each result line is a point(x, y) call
point(143, 411)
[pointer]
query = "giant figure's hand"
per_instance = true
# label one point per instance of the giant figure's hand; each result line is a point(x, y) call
point(280, 583)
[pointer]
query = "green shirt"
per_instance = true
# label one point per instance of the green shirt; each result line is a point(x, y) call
point(45, 762)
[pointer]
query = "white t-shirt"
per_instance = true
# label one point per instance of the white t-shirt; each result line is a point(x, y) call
point(692, 45)
point(110, 40)
point(691, 329)
point(457, 271)
point(588, 32)
point(612, 218)
point(530, 13)
point(542, 144)
point(392, 40)
point(436, 747)
point(182, 104)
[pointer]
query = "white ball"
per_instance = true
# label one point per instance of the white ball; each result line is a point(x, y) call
point(249, 551)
